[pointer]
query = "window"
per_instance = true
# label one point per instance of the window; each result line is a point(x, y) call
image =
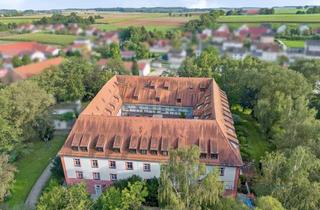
point(99, 149)
point(96, 175)
point(112, 164)
point(154, 152)
point(178, 100)
point(84, 149)
point(113, 177)
point(143, 151)
point(203, 156)
point(221, 171)
point(116, 150)
point(146, 167)
point(133, 151)
point(214, 156)
point(165, 153)
point(94, 163)
point(76, 162)
point(79, 174)
point(74, 148)
point(129, 166)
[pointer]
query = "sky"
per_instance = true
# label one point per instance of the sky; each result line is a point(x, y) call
point(62, 4)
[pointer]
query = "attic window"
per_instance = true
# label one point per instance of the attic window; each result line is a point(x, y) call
point(178, 100)
point(74, 148)
point(152, 84)
point(136, 94)
point(166, 85)
point(99, 149)
point(157, 98)
point(214, 156)
point(165, 153)
point(203, 156)
point(133, 151)
point(84, 149)
point(143, 151)
point(154, 152)
point(202, 87)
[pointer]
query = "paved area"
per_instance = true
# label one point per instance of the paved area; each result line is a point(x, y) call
point(36, 190)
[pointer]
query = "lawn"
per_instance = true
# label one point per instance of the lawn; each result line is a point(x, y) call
point(293, 43)
point(281, 18)
point(41, 37)
point(30, 167)
point(253, 143)
point(287, 10)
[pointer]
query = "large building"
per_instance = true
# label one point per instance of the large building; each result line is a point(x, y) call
point(133, 122)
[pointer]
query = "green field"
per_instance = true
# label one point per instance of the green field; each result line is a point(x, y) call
point(289, 18)
point(41, 37)
point(19, 20)
point(285, 10)
point(293, 43)
point(30, 167)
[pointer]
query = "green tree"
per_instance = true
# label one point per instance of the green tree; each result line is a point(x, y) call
point(26, 59)
point(309, 68)
point(135, 68)
point(110, 200)
point(24, 102)
point(291, 179)
point(134, 195)
point(114, 51)
point(268, 203)
point(179, 182)
point(115, 66)
point(9, 136)
point(6, 176)
point(16, 61)
point(59, 197)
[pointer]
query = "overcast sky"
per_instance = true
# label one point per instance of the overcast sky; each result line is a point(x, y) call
point(60, 4)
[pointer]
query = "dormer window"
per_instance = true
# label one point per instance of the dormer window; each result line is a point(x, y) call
point(133, 151)
point(84, 149)
point(165, 153)
point(178, 100)
point(157, 98)
point(143, 151)
point(214, 156)
point(99, 149)
point(117, 150)
point(203, 156)
point(154, 152)
point(74, 148)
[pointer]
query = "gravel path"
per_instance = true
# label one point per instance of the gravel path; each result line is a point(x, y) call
point(36, 190)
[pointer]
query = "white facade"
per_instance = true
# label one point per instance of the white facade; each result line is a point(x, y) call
point(232, 45)
point(146, 70)
point(228, 178)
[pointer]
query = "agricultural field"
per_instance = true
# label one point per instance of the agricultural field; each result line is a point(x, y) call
point(20, 19)
point(293, 43)
point(289, 18)
point(287, 10)
point(41, 37)
point(160, 21)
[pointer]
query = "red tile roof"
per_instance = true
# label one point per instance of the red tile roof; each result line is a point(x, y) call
point(18, 48)
point(36, 68)
point(212, 131)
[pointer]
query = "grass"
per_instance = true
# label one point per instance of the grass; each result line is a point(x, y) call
point(112, 27)
point(41, 37)
point(30, 167)
point(281, 18)
point(253, 143)
point(283, 10)
point(293, 43)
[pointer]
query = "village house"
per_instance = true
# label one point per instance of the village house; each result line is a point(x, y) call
point(24, 72)
point(127, 54)
point(176, 58)
point(312, 49)
point(221, 34)
point(133, 122)
point(106, 38)
point(64, 115)
point(35, 50)
point(160, 46)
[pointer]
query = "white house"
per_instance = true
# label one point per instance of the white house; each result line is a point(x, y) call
point(64, 114)
point(176, 57)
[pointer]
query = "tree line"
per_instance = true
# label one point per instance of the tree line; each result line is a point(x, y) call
point(285, 102)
